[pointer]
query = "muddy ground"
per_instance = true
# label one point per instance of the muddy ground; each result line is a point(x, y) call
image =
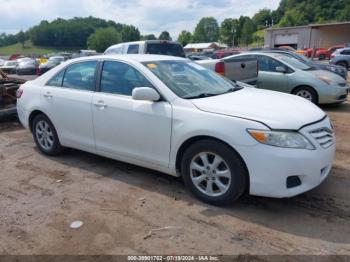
point(130, 210)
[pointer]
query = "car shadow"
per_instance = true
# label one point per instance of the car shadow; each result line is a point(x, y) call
point(337, 108)
point(308, 215)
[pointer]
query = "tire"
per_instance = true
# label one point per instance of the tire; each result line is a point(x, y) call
point(343, 64)
point(307, 93)
point(230, 172)
point(49, 144)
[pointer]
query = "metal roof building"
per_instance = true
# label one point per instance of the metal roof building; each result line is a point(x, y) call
point(309, 36)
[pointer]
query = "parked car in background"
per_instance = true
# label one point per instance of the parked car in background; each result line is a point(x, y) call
point(157, 47)
point(235, 68)
point(9, 67)
point(27, 67)
point(51, 63)
point(341, 57)
point(84, 53)
point(15, 57)
point(285, 74)
point(2, 62)
point(198, 57)
point(329, 67)
point(323, 54)
point(224, 53)
point(174, 116)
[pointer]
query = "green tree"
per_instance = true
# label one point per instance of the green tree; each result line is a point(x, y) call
point(165, 36)
point(130, 33)
point(247, 32)
point(184, 38)
point(21, 37)
point(262, 17)
point(207, 30)
point(149, 37)
point(228, 32)
point(103, 38)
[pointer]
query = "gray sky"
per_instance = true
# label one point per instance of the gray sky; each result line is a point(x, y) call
point(150, 16)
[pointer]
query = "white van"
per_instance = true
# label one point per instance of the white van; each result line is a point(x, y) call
point(160, 47)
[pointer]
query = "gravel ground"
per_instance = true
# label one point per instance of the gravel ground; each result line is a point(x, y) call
point(131, 210)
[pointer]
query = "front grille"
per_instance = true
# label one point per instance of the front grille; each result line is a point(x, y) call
point(323, 136)
point(343, 84)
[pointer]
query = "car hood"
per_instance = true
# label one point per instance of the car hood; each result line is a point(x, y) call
point(274, 109)
point(332, 76)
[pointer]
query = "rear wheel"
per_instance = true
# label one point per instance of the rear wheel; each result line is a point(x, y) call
point(307, 93)
point(45, 136)
point(214, 172)
point(322, 57)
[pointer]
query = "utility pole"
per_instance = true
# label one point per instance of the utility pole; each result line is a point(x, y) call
point(233, 37)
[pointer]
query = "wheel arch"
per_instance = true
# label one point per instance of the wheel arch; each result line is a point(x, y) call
point(343, 61)
point(308, 86)
point(190, 141)
point(32, 117)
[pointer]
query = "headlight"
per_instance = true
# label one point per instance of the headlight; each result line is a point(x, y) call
point(325, 79)
point(288, 139)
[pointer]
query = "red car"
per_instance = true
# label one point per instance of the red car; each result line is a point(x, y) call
point(322, 53)
point(224, 53)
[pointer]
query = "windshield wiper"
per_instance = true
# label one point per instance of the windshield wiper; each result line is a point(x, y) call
point(202, 95)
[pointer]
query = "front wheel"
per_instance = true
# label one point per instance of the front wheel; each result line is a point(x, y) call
point(307, 93)
point(214, 172)
point(45, 136)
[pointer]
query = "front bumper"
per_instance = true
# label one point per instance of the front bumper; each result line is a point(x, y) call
point(270, 167)
point(337, 94)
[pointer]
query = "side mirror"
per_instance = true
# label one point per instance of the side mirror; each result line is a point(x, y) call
point(281, 69)
point(145, 94)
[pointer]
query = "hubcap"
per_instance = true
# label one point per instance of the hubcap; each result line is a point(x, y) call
point(210, 174)
point(305, 94)
point(44, 135)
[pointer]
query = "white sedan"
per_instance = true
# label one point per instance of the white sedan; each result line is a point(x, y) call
point(174, 116)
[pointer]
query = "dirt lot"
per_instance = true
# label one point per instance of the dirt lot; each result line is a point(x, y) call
point(131, 210)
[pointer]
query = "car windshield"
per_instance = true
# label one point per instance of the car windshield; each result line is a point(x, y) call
point(164, 48)
point(294, 62)
point(189, 80)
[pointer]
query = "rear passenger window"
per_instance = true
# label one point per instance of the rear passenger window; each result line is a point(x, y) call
point(345, 52)
point(80, 76)
point(56, 80)
point(120, 78)
point(133, 49)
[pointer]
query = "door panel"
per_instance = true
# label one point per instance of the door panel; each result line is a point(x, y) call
point(136, 129)
point(70, 112)
point(122, 126)
point(67, 99)
point(269, 78)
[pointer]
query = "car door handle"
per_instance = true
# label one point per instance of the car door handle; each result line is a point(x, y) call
point(100, 105)
point(48, 95)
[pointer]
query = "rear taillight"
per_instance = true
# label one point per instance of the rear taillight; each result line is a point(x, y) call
point(220, 68)
point(332, 55)
point(19, 93)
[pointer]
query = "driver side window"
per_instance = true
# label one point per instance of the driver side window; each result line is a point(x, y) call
point(268, 64)
point(120, 78)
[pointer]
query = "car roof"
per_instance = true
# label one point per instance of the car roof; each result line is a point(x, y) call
point(131, 57)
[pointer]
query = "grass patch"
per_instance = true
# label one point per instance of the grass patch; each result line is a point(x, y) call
point(30, 50)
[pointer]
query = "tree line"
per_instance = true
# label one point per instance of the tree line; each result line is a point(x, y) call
point(95, 33)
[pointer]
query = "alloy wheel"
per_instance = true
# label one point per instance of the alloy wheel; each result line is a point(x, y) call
point(44, 135)
point(210, 174)
point(305, 94)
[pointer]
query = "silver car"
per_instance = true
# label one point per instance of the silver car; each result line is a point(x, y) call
point(341, 57)
point(281, 73)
